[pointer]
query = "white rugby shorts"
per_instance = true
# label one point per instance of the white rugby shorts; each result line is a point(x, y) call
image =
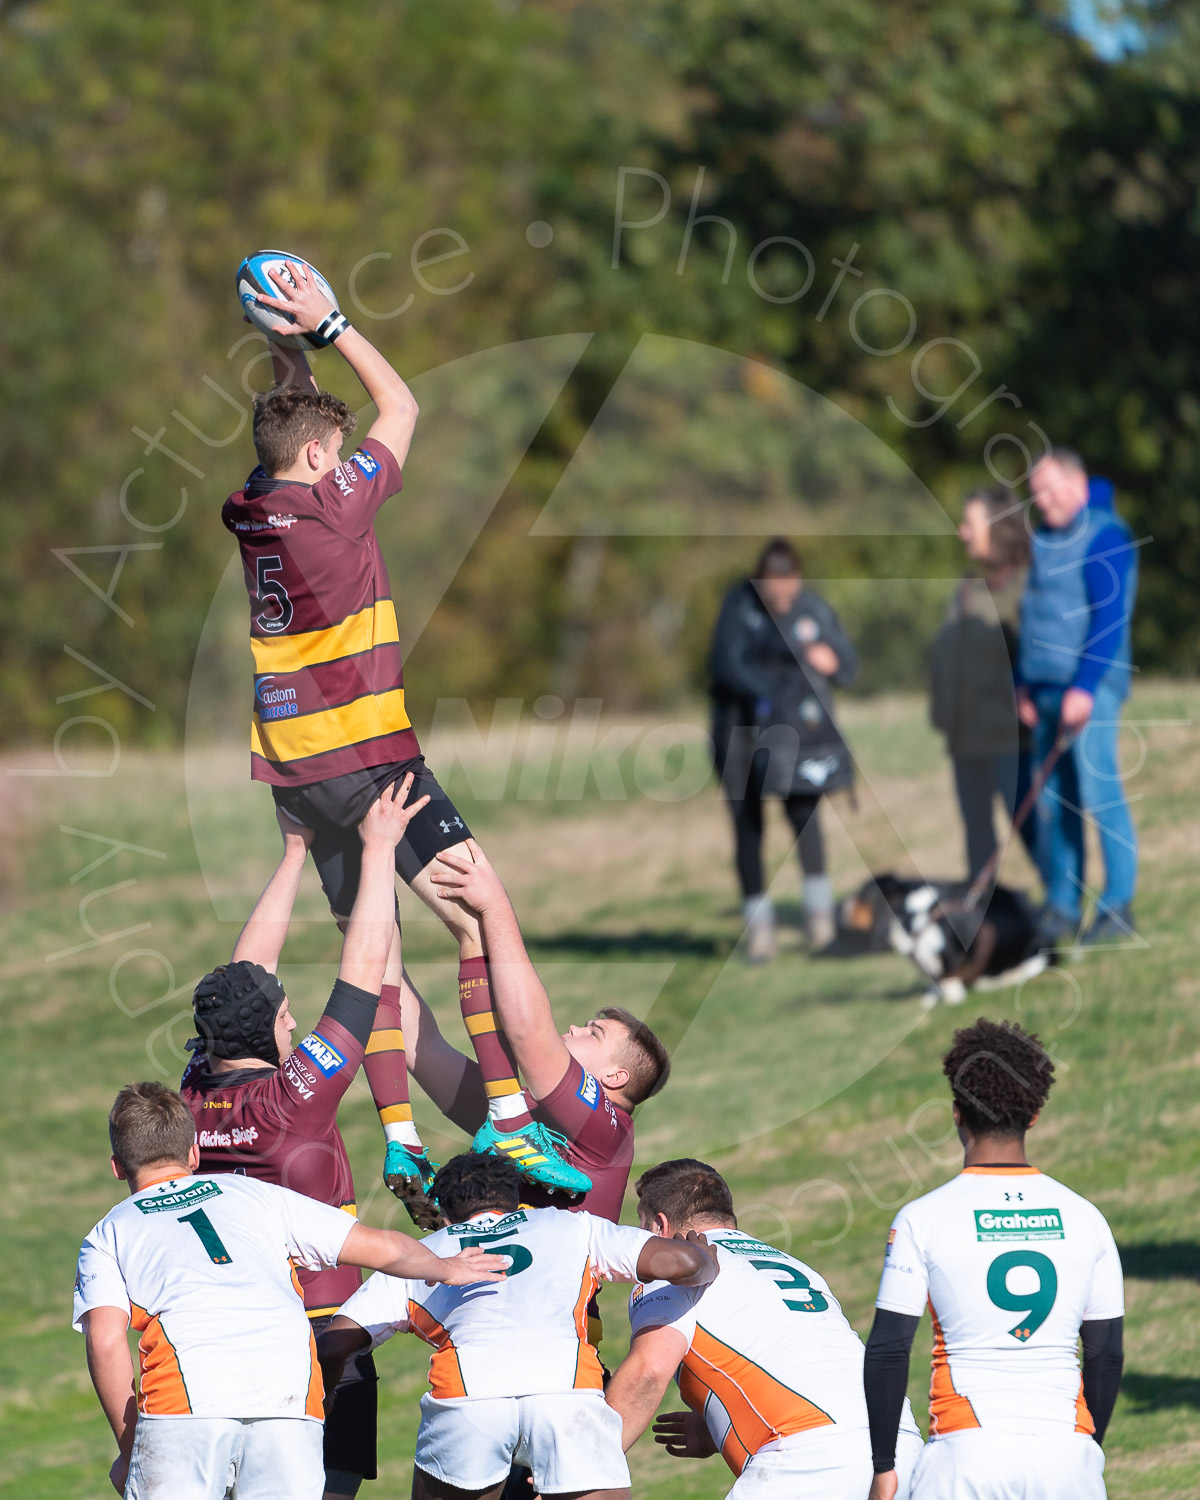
point(205, 1458)
point(571, 1440)
point(909, 1447)
point(810, 1466)
point(979, 1465)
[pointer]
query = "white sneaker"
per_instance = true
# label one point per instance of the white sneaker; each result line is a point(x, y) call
point(759, 940)
point(820, 929)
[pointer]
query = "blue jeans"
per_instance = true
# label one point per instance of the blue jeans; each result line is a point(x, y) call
point(1087, 779)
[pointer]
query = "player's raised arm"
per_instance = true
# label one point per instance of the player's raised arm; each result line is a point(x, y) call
point(517, 993)
point(261, 940)
point(291, 367)
point(312, 312)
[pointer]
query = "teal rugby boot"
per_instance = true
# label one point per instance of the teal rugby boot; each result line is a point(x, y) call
point(537, 1152)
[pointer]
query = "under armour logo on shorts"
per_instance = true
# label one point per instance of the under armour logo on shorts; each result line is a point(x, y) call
point(454, 823)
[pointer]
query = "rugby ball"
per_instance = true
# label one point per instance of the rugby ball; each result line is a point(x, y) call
point(254, 281)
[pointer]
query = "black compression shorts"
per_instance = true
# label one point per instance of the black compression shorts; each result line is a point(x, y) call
point(334, 809)
point(351, 1427)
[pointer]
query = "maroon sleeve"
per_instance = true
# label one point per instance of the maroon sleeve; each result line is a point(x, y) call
point(580, 1108)
point(349, 497)
point(312, 1081)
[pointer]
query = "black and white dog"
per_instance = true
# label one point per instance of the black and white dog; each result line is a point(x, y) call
point(989, 947)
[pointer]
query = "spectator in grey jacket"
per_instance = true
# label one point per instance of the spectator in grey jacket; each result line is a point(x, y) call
point(778, 650)
point(973, 701)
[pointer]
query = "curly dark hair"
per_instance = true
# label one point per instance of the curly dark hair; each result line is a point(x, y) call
point(475, 1183)
point(1000, 1077)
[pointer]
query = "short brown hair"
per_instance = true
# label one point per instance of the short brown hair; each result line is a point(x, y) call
point(685, 1190)
point(149, 1123)
point(290, 416)
point(1008, 528)
point(646, 1060)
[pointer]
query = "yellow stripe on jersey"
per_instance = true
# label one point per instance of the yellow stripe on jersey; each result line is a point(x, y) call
point(373, 626)
point(367, 718)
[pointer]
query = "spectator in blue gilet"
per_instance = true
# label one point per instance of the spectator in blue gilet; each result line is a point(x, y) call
point(1073, 676)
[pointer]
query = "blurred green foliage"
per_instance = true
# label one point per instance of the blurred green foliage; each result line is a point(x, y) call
point(1035, 207)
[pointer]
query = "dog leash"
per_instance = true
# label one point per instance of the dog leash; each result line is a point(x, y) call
point(987, 875)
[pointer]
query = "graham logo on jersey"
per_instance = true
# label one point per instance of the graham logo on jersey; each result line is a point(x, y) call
point(589, 1091)
point(1018, 1224)
point(326, 1057)
point(197, 1193)
point(749, 1247)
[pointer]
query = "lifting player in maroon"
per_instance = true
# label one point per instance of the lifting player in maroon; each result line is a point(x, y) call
point(269, 1110)
point(584, 1083)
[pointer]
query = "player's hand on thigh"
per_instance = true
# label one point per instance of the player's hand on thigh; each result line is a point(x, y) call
point(683, 1434)
point(884, 1486)
point(465, 874)
point(296, 838)
point(119, 1473)
point(387, 819)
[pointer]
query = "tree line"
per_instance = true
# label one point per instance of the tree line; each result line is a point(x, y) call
point(1011, 223)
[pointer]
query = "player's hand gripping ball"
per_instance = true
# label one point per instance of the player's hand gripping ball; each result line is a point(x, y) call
point(254, 280)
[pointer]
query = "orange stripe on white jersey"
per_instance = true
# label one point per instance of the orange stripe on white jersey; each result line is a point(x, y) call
point(948, 1411)
point(163, 1393)
point(589, 1373)
point(445, 1374)
point(314, 1401)
point(1083, 1416)
point(760, 1407)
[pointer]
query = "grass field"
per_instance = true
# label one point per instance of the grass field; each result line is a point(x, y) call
point(813, 1085)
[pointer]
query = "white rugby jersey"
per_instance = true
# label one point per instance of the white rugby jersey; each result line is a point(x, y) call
point(204, 1266)
point(770, 1353)
point(1010, 1262)
point(526, 1335)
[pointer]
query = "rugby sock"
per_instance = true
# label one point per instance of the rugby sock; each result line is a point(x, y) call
point(507, 1108)
point(386, 1068)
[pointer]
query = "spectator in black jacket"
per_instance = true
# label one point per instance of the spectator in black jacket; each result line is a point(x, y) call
point(778, 650)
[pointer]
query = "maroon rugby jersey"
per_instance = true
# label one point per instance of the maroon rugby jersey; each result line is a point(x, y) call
point(328, 675)
point(280, 1124)
point(599, 1140)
